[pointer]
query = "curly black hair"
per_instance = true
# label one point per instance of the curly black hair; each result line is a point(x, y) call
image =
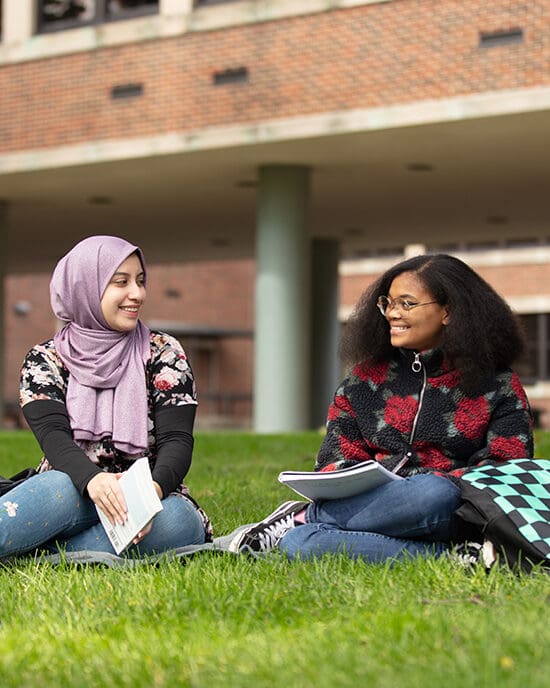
point(482, 337)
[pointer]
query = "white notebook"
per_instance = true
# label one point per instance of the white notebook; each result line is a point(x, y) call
point(346, 482)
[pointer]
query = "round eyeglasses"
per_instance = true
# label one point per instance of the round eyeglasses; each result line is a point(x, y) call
point(386, 304)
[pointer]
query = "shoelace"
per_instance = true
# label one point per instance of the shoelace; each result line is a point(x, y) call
point(270, 536)
point(467, 554)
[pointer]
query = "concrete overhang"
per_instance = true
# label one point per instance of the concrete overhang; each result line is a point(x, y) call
point(475, 168)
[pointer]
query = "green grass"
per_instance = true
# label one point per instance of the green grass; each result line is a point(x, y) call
point(231, 621)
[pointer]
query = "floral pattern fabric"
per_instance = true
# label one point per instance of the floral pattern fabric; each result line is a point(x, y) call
point(169, 380)
point(424, 420)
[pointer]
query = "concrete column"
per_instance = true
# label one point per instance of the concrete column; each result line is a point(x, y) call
point(281, 367)
point(3, 241)
point(18, 21)
point(325, 327)
point(173, 7)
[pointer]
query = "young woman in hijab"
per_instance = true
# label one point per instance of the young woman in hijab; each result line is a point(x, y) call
point(103, 392)
point(430, 394)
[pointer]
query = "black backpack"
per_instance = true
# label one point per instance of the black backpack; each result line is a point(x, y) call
point(509, 504)
point(7, 484)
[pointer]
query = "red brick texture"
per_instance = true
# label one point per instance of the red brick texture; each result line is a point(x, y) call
point(368, 56)
point(209, 293)
point(217, 295)
point(509, 280)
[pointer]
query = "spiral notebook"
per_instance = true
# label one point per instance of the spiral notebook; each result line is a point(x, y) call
point(346, 482)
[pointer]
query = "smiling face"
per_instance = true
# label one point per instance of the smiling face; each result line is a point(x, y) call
point(124, 295)
point(420, 328)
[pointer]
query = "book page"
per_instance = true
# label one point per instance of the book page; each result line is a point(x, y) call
point(142, 502)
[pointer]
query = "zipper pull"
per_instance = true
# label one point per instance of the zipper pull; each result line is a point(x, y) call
point(416, 365)
point(402, 462)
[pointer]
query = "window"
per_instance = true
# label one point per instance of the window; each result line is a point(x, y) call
point(535, 365)
point(56, 15)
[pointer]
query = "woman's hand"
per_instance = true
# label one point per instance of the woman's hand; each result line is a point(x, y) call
point(105, 492)
point(158, 489)
point(143, 532)
point(147, 528)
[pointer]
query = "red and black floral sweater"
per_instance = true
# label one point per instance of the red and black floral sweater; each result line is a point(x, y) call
point(411, 414)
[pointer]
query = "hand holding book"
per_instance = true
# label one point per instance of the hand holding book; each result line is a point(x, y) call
point(142, 501)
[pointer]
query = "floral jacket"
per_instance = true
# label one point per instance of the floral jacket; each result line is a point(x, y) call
point(169, 379)
point(413, 416)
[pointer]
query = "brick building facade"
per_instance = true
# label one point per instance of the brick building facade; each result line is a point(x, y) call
point(301, 62)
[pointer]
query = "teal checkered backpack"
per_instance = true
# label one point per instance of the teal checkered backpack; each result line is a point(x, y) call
point(509, 504)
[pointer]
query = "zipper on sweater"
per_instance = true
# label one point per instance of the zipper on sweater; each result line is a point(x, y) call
point(416, 368)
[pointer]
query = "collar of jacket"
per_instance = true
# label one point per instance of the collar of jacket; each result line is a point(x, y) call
point(433, 360)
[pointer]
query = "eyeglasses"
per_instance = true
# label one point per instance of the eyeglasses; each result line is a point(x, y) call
point(384, 304)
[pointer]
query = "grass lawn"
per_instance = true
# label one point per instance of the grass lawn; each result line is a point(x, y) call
point(222, 620)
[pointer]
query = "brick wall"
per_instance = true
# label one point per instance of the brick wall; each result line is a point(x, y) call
point(215, 293)
point(509, 280)
point(518, 280)
point(23, 331)
point(219, 295)
point(372, 55)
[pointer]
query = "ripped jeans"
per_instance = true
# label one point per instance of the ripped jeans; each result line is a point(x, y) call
point(398, 520)
point(48, 513)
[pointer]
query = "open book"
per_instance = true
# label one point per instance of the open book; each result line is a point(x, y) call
point(346, 482)
point(142, 502)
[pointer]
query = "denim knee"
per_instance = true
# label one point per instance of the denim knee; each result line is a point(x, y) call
point(177, 525)
point(299, 542)
point(41, 508)
point(442, 491)
point(50, 488)
point(420, 506)
point(306, 542)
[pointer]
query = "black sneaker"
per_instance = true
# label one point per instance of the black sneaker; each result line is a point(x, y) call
point(468, 554)
point(264, 536)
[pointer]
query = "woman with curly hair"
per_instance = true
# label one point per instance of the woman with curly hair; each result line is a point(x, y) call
point(430, 394)
point(104, 391)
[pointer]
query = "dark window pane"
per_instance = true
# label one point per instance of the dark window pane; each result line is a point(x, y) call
point(56, 15)
point(526, 370)
point(535, 364)
point(529, 323)
point(125, 8)
point(71, 11)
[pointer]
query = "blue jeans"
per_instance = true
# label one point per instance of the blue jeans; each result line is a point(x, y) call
point(399, 520)
point(48, 512)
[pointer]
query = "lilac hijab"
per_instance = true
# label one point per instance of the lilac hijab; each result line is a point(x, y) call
point(106, 391)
